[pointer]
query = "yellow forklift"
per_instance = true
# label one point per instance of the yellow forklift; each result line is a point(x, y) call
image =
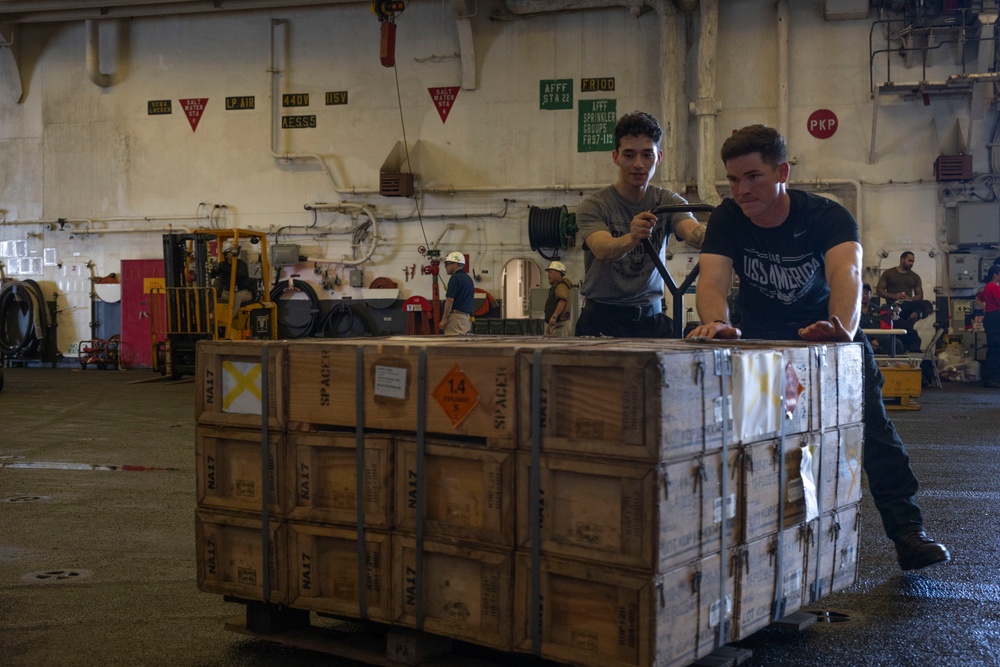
point(210, 293)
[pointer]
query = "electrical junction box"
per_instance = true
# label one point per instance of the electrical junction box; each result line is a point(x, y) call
point(357, 278)
point(834, 10)
point(984, 266)
point(975, 224)
point(284, 254)
point(963, 271)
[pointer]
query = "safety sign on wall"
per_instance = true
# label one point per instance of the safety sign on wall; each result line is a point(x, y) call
point(822, 123)
point(596, 125)
point(193, 108)
point(444, 98)
point(555, 94)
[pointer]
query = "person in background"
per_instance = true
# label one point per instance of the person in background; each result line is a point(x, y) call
point(798, 258)
point(901, 287)
point(623, 291)
point(223, 273)
point(457, 316)
point(871, 318)
point(989, 297)
point(557, 305)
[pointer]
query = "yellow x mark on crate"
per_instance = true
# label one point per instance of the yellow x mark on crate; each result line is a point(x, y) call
point(244, 381)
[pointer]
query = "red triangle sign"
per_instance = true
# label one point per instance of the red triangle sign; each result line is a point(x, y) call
point(443, 99)
point(193, 109)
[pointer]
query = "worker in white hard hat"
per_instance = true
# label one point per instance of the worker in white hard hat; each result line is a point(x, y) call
point(223, 277)
point(457, 316)
point(557, 305)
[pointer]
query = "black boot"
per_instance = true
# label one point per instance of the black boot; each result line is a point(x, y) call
point(915, 550)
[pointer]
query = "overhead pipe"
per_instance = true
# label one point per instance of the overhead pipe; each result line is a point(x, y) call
point(671, 63)
point(94, 56)
point(672, 69)
point(369, 211)
point(706, 107)
point(32, 11)
point(783, 32)
point(528, 7)
point(288, 157)
point(273, 72)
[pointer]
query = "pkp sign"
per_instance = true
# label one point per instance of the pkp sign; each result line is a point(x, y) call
point(822, 123)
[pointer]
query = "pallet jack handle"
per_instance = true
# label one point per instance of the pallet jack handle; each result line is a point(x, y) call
point(677, 292)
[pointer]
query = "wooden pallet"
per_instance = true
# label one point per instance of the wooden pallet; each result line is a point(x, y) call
point(388, 646)
point(900, 402)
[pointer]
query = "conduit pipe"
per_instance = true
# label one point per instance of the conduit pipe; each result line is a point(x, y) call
point(783, 31)
point(528, 7)
point(673, 80)
point(369, 211)
point(94, 56)
point(671, 65)
point(706, 107)
point(288, 157)
point(274, 72)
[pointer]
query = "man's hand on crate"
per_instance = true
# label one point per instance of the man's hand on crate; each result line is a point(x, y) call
point(826, 331)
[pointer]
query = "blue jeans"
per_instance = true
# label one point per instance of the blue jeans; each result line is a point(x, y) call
point(886, 461)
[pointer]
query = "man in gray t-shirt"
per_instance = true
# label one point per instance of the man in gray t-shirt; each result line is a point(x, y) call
point(623, 290)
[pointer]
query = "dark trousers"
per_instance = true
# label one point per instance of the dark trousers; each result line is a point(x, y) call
point(886, 461)
point(991, 369)
point(600, 319)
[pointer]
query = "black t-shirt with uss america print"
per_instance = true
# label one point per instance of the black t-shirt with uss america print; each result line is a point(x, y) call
point(782, 270)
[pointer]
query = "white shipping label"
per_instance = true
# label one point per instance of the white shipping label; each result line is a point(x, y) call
point(757, 393)
point(808, 489)
point(390, 381)
point(792, 583)
point(849, 555)
point(723, 407)
point(730, 508)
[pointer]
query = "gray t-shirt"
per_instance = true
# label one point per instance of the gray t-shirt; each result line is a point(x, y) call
point(632, 280)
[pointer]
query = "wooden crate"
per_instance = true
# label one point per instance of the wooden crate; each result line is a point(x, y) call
point(903, 384)
point(636, 400)
point(469, 390)
point(228, 470)
point(832, 559)
point(601, 616)
point(831, 377)
point(323, 483)
point(850, 455)
point(324, 575)
point(760, 578)
point(469, 491)
point(229, 383)
point(850, 384)
point(631, 514)
point(230, 559)
point(763, 501)
point(467, 590)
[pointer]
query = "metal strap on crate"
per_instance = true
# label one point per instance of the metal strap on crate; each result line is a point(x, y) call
point(265, 477)
point(778, 602)
point(421, 486)
point(359, 464)
point(816, 593)
point(724, 369)
point(534, 502)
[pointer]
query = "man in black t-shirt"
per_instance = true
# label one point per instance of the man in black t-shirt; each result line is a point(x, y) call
point(798, 258)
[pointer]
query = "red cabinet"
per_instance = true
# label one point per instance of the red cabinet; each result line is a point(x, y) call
point(138, 277)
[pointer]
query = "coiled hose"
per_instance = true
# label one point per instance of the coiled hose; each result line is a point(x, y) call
point(23, 318)
point(287, 326)
point(348, 321)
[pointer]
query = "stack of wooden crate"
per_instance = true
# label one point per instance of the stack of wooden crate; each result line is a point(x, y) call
point(600, 502)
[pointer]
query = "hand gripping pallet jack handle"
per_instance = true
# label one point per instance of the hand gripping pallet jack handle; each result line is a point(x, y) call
point(676, 292)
